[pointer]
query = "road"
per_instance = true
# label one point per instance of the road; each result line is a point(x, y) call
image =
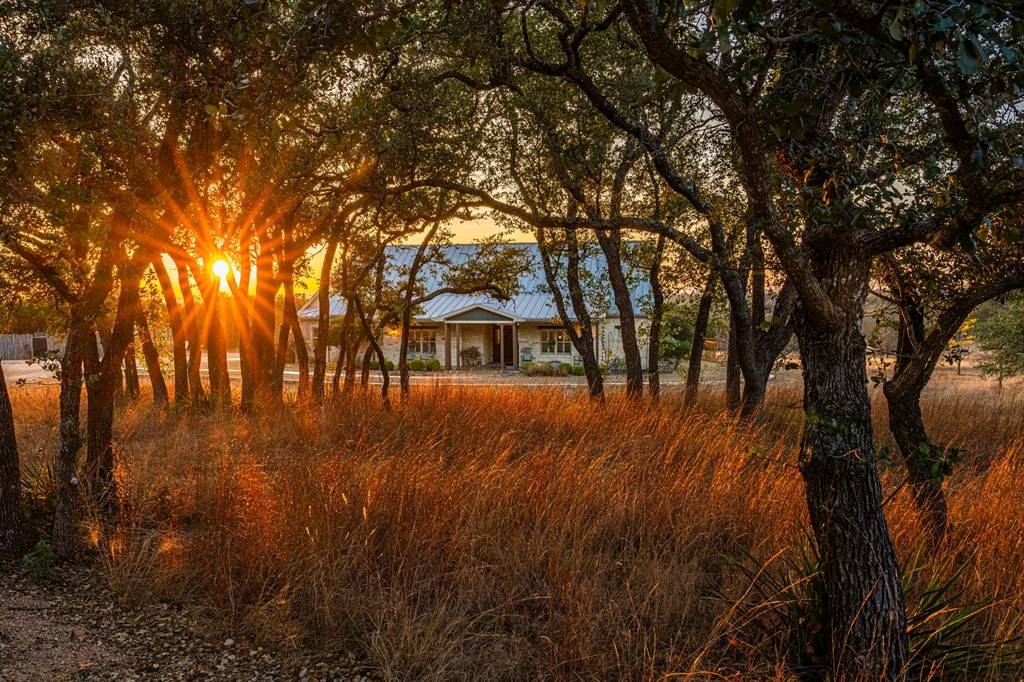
point(18, 372)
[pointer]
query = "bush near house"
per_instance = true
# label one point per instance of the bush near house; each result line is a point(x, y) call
point(432, 365)
point(417, 365)
point(471, 357)
point(578, 371)
point(564, 369)
point(374, 365)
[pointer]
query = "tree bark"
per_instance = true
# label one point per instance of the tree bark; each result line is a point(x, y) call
point(732, 373)
point(700, 330)
point(346, 325)
point(323, 321)
point(10, 476)
point(611, 246)
point(907, 427)
point(66, 464)
point(862, 577)
point(301, 352)
point(216, 346)
point(152, 357)
point(368, 331)
point(178, 337)
point(582, 338)
point(131, 373)
point(190, 330)
point(104, 378)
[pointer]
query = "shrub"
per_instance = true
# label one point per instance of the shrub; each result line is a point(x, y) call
point(539, 369)
point(471, 357)
point(417, 365)
point(389, 364)
point(40, 561)
point(526, 368)
point(578, 371)
point(564, 369)
point(432, 365)
point(374, 365)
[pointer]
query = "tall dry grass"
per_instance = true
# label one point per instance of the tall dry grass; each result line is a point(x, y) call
point(513, 533)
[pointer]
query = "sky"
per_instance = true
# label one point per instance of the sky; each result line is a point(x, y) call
point(464, 231)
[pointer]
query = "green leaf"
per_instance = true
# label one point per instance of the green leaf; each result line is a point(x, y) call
point(965, 59)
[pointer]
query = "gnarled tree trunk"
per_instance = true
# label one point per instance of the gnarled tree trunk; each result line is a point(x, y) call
point(10, 476)
point(862, 576)
point(66, 464)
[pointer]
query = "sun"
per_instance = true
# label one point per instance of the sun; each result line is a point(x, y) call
point(221, 268)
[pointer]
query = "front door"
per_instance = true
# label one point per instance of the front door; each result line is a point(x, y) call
point(502, 346)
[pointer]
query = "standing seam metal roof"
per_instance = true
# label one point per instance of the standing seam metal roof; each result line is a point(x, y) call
point(533, 303)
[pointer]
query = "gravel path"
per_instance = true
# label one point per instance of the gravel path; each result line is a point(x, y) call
point(67, 628)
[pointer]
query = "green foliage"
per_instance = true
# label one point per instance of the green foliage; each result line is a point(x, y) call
point(417, 365)
point(564, 369)
point(432, 365)
point(677, 332)
point(578, 370)
point(40, 561)
point(1000, 333)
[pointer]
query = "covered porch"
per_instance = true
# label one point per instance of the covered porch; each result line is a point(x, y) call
point(494, 333)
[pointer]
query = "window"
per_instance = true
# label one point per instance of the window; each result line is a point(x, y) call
point(422, 342)
point(554, 342)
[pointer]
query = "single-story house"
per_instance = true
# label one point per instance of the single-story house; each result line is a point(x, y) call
point(525, 328)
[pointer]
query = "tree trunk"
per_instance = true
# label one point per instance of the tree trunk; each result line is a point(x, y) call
point(323, 321)
point(733, 374)
point(867, 620)
point(301, 352)
point(611, 246)
point(216, 345)
point(152, 357)
point(264, 320)
point(242, 300)
point(346, 325)
point(583, 338)
point(351, 350)
point(700, 330)
point(104, 377)
point(190, 330)
point(66, 465)
point(364, 377)
point(657, 310)
point(368, 331)
point(178, 337)
point(10, 476)
point(131, 373)
point(907, 427)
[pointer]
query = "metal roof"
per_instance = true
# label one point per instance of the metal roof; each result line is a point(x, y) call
point(533, 302)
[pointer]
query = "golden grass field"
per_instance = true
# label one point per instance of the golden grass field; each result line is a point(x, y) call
point(519, 533)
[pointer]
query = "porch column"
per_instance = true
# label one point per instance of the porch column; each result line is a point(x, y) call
point(447, 346)
point(515, 344)
point(458, 345)
point(501, 347)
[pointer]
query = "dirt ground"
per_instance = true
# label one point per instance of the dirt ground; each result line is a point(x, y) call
point(67, 627)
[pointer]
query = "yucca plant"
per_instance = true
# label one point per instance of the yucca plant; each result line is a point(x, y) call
point(787, 597)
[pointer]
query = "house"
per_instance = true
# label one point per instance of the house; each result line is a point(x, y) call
point(25, 346)
point(526, 328)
